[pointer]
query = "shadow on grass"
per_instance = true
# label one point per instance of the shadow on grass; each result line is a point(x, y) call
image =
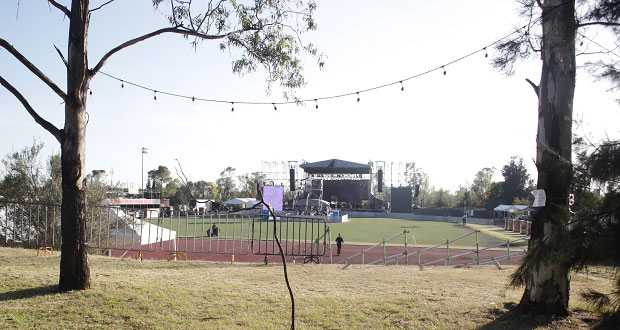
point(29, 293)
point(512, 318)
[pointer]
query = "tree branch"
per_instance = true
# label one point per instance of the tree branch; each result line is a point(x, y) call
point(598, 23)
point(61, 56)
point(107, 3)
point(536, 87)
point(62, 8)
point(58, 134)
point(33, 69)
point(177, 30)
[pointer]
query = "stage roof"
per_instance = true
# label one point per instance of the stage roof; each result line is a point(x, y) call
point(335, 166)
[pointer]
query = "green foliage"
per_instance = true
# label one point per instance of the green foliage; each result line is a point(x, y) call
point(159, 177)
point(267, 32)
point(249, 182)
point(482, 182)
point(226, 185)
point(517, 182)
point(494, 195)
point(593, 235)
point(25, 178)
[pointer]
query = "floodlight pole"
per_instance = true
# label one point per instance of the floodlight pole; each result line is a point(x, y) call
point(144, 151)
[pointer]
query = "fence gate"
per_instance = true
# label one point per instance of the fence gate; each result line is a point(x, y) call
point(299, 236)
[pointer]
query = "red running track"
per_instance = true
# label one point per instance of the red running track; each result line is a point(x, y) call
point(222, 251)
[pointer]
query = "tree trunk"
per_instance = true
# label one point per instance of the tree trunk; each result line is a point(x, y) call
point(547, 288)
point(74, 269)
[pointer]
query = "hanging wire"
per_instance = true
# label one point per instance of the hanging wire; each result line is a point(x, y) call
point(316, 99)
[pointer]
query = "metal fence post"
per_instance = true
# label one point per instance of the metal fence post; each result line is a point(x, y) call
point(329, 235)
point(419, 258)
point(447, 252)
point(362, 256)
point(477, 249)
point(406, 252)
point(384, 261)
point(508, 246)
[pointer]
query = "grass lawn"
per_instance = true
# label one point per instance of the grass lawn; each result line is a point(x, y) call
point(373, 230)
point(357, 230)
point(128, 294)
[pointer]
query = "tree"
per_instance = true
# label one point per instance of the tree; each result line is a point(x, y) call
point(482, 182)
point(547, 282)
point(248, 184)
point(493, 195)
point(24, 174)
point(266, 32)
point(157, 181)
point(463, 196)
point(226, 185)
point(204, 190)
point(517, 182)
point(26, 179)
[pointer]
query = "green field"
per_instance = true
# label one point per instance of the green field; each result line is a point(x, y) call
point(357, 230)
point(374, 230)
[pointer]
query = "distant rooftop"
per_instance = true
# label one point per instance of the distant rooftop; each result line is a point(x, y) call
point(331, 166)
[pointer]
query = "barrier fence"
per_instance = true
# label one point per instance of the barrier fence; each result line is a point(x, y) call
point(37, 225)
point(493, 253)
point(383, 243)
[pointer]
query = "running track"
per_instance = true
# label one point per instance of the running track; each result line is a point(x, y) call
point(222, 251)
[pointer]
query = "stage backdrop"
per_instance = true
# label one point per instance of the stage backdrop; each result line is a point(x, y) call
point(274, 196)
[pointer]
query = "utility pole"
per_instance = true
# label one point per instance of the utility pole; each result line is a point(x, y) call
point(144, 151)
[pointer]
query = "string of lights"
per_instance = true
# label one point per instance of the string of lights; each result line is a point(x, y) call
point(316, 100)
point(608, 51)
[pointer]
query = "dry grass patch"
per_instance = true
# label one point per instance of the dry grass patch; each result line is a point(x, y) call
point(128, 294)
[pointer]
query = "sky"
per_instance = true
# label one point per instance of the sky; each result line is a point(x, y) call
point(450, 125)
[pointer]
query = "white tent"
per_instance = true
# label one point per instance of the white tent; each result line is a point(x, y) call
point(244, 202)
point(512, 208)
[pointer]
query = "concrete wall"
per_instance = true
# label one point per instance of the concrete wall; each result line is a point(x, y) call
point(409, 216)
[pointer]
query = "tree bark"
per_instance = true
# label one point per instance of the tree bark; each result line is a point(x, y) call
point(547, 288)
point(74, 268)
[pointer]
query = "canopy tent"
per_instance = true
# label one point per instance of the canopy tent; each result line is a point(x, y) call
point(246, 202)
point(335, 166)
point(513, 208)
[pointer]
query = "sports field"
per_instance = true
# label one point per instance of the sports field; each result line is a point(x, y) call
point(357, 230)
point(374, 230)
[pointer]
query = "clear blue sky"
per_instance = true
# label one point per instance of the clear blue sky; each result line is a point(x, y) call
point(451, 126)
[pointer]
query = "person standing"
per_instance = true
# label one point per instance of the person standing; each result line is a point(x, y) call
point(339, 242)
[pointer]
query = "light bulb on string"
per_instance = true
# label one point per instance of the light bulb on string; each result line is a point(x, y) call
point(122, 84)
point(155, 95)
point(274, 106)
point(444, 70)
point(90, 91)
point(485, 52)
point(316, 105)
point(233, 107)
point(193, 99)
point(402, 88)
point(358, 96)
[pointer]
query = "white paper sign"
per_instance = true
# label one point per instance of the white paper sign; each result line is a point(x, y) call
point(539, 198)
